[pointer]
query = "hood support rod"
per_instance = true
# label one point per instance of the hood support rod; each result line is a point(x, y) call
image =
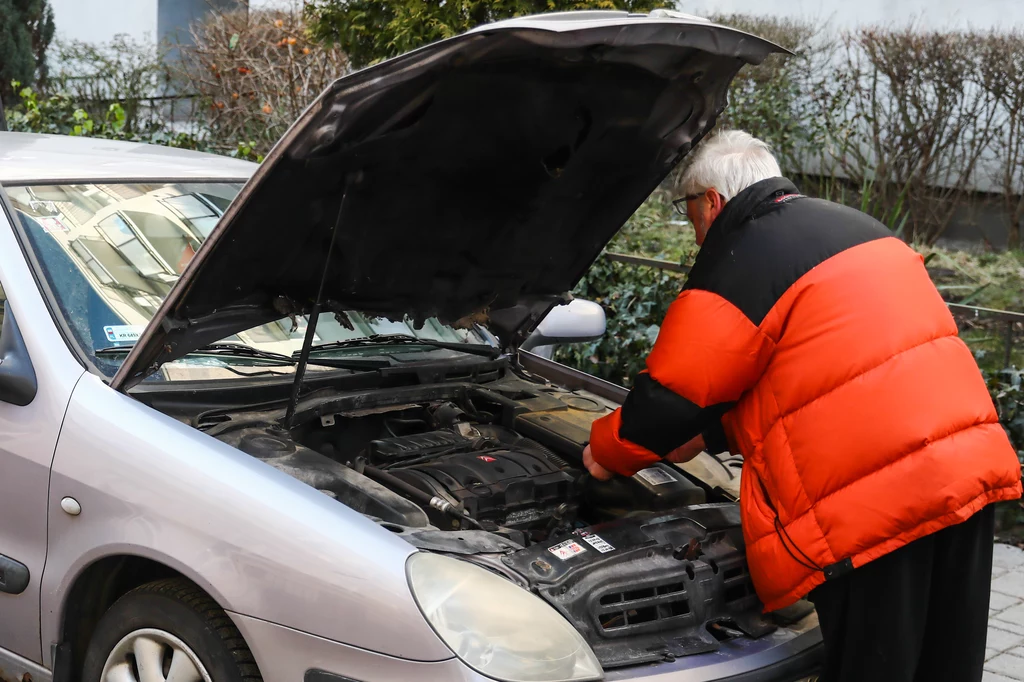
point(314, 315)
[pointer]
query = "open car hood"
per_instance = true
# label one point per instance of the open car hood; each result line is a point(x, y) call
point(472, 179)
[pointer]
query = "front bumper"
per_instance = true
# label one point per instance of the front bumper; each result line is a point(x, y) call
point(287, 655)
point(783, 656)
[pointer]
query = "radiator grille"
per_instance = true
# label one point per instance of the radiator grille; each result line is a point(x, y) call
point(623, 610)
point(648, 606)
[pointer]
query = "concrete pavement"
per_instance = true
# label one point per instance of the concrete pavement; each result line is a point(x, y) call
point(1005, 653)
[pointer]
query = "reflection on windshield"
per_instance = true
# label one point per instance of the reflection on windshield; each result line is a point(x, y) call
point(112, 252)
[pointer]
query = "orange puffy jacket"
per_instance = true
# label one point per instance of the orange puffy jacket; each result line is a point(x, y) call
point(815, 342)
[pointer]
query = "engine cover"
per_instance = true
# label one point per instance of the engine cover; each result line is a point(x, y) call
point(509, 488)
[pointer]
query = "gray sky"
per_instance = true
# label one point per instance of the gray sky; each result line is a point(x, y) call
point(982, 14)
point(100, 20)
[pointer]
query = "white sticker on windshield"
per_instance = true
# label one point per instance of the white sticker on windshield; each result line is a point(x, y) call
point(123, 332)
point(52, 225)
point(598, 543)
point(567, 550)
point(654, 476)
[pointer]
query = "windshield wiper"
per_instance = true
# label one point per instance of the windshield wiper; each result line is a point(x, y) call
point(239, 350)
point(235, 349)
point(407, 340)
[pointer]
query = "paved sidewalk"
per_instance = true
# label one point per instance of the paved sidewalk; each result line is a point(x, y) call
point(1005, 654)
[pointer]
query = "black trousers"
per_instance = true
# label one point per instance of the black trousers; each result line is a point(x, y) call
point(918, 614)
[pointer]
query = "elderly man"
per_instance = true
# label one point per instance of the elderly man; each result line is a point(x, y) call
point(812, 341)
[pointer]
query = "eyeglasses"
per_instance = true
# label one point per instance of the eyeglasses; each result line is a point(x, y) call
point(680, 204)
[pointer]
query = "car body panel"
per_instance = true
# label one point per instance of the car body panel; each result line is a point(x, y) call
point(30, 435)
point(27, 158)
point(558, 22)
point(258, 541)
point(474, 178)
point(15, 668)
point(309, 652)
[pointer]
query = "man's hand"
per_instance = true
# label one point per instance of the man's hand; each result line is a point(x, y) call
point(595, 469)
point(687, 451)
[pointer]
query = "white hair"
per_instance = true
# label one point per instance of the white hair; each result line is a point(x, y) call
point(729, 162)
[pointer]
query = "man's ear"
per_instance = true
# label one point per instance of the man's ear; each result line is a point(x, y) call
point(715, 203)
point(714, 199)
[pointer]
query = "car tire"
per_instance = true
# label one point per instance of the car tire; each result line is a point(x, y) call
point(168, 623)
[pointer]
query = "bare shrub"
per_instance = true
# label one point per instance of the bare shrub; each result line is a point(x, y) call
point(1002, 67)
point(908, 118)
point(255, 71)
point(768, 99)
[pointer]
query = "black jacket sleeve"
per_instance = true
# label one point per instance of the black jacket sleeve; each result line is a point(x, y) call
point(715, 441)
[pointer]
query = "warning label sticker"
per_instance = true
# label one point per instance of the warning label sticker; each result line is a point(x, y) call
point(598, 543)
point(567, 550)
point(654, 476)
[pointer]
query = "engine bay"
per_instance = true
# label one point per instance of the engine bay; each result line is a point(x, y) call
point(648, 567)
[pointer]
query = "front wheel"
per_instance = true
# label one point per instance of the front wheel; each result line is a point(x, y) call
point(168, 631)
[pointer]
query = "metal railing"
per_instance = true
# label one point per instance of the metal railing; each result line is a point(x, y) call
point(1009, 317)
point(647, 262)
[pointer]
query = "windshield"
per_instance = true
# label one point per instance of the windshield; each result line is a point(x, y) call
point(110, 254)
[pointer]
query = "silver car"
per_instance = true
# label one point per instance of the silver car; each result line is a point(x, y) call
point(277, 422)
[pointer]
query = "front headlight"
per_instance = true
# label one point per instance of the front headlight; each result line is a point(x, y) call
point(496, 627)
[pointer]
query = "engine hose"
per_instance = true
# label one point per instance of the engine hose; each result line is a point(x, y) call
point(403, 422)
point(418, 495)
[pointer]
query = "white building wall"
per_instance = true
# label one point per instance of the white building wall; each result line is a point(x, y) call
point(97, 21)
point(933, 14)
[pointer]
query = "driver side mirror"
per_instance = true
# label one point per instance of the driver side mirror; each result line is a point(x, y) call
point(576, 322)
point(17, 378)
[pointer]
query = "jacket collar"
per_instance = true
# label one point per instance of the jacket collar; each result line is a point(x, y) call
point(744, 205)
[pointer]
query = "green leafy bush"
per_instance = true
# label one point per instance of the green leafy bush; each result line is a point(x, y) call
point(59, 114)
point(635, 298)
point(1008, 394)
point(56, 114)
point(655, 230)
point(369, 30)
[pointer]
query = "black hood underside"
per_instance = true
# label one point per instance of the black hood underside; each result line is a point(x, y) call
point(474, 179)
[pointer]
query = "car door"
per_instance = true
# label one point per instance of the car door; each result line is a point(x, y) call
point(37, 375)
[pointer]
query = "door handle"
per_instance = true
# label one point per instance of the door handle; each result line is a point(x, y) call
point(14, 575)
